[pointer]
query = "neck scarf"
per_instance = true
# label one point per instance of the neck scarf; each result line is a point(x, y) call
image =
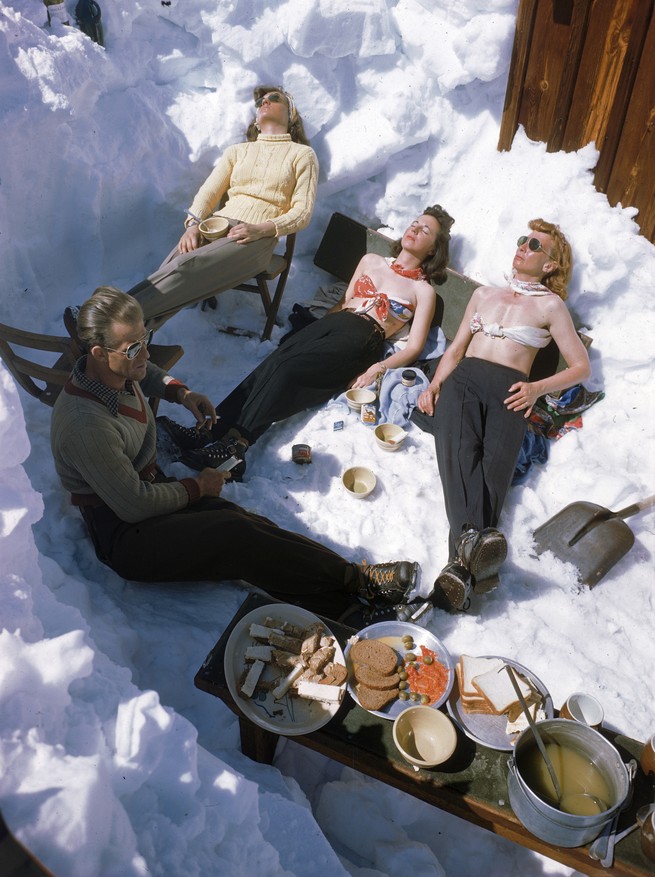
point(527, 287)
point(412, 273)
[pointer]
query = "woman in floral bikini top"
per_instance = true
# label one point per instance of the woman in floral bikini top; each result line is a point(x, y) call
point(344, 348)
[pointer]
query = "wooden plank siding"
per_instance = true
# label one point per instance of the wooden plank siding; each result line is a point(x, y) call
point(582, 71)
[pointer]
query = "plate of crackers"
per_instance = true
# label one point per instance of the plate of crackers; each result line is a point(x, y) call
point(485, 705)
point(393, 665)
point(285, 669)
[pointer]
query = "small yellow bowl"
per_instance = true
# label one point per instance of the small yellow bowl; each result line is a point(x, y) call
point(389, 436)
point(357, 398)
point(359, 481)
point(425, 737)
point(213, 228)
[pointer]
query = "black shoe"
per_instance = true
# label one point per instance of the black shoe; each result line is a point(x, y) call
point(214, 454)
point(186, 438)
point(482, 553)
point(209, 304)
point(452, 589)
point(388, 582)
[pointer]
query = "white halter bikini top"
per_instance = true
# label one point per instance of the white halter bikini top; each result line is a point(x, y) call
point(529, 336)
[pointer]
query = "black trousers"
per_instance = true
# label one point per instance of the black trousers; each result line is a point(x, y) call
point(217, 540)
point(478, 440)
point(306, 370)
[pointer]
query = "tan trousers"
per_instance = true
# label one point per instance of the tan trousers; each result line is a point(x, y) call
point(184, 279)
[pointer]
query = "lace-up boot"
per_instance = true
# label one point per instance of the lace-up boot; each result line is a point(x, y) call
point(212, 456)
point(185, 437)
point(387, 583)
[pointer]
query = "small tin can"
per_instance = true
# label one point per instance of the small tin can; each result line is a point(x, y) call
point(408, 377)
point(368, 415)
point(301, 454)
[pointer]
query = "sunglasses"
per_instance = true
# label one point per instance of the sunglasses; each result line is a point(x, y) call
point(533, 244)
point(274, 97)
point(135, 348)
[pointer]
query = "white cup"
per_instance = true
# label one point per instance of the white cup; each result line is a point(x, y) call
point(583, 708)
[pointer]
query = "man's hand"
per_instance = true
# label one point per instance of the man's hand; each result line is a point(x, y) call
point(201, 408)
point(211, 482)
point(190, 240)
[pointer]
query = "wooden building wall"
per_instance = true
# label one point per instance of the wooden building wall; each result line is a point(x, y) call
point(582, 71)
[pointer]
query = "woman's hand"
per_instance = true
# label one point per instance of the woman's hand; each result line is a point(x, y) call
point(201, 408)
point(368, 377)
point(427, 401)
point(246, 232)
point(523, 397)
point(190, 240)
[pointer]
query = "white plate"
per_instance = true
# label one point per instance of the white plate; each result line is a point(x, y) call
point(490, 730)
point(289, 716)
point(392, 633)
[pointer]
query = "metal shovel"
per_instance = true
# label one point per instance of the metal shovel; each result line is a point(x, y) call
point(589, 536)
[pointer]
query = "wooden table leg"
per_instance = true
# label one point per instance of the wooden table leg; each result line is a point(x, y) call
point(256, 742)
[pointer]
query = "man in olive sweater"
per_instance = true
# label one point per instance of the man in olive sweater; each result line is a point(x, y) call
point(149, 527)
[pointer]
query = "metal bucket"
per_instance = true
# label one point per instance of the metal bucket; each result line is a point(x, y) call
point(547, 822)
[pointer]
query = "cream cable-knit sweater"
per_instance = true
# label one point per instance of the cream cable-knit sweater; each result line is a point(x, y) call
point(271, 178)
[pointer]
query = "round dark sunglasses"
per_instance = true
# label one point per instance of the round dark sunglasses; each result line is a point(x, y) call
point(135, 348)
point(274, 97)
point(533, 244)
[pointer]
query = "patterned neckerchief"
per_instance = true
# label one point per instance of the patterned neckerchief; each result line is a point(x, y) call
point(108, 397)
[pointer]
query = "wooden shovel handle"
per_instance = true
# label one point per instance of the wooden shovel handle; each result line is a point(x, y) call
point(635, 507)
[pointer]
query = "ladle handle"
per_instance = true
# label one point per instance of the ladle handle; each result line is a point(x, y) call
point(535, 733)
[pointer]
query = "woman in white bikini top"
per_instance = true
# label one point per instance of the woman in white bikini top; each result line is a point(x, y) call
point(508, 324)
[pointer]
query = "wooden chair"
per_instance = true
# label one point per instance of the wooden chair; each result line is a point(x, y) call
point(45, 381)
point(279, 268)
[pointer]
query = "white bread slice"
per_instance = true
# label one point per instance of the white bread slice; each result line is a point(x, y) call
point(496, 687)
point(470, 667)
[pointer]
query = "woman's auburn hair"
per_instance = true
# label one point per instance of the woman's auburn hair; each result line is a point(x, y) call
point(296, 128)
point(434, 265)
point(557, 280)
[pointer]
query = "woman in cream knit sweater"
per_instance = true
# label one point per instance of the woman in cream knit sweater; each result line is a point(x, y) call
point(265, 187)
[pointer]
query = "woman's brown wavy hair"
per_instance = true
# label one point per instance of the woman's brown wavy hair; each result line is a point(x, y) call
point(434, 265)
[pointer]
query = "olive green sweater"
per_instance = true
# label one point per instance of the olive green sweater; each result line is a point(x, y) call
point(108, 459)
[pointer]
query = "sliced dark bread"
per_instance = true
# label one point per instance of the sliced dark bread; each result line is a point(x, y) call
point(375, 654)
point(373, 679)
point(374, 699)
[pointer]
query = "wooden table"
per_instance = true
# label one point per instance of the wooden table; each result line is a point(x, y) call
point(471, 785)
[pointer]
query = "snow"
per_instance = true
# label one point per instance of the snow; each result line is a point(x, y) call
point(111, 762)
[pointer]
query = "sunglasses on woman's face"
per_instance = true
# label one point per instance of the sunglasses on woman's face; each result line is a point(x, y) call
point(134, 349)
point(533, 244)
point(273, 98)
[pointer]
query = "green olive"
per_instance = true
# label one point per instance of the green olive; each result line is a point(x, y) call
point(402, 674)
point(403, 695)
point(427, 659)
point(410, 656)
point(402, 684)
point(414, 695)
point(425, 698)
